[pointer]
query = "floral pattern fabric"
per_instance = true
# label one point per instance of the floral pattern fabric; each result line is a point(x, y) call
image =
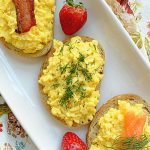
point(135, 17)
point(12, 135)
point(137, 23)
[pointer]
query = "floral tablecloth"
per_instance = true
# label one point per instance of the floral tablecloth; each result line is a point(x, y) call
point(136, 22)
point(12, 135)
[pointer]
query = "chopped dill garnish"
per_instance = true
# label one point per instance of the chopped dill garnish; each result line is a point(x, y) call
point(131, 143)
point(83, 95)
point(70, 47)
point(67, 43)
point(69, 80)
point(81, 58)
point(86, 73)
point(68, 94)
point(79, 87)
point(62, 48)
point(73, 68)
point(81, 90)
point(56, 85)
point(63, 68)
point(94, 46)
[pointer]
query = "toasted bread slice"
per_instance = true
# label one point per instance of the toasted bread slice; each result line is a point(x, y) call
point(113, 103)
point(44, 66)
point(38, 53)
point(20, 52)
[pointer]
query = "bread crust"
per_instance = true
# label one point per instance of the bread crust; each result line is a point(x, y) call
point(38, 53)
point(113, 103)
point(20, 52)
point(44, 97)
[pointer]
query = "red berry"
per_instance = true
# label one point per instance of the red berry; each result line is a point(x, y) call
point(72, 142)
point(72, 18)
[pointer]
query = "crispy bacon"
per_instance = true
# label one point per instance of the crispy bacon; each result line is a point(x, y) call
point(25, 15)
point(125, 4)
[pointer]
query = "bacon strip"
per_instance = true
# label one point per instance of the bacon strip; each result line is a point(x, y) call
point(25, 15)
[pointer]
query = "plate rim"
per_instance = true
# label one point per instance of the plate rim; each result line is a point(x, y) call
point(123, 31)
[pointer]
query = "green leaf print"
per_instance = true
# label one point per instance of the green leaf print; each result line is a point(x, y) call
point(4, 109)
point(137, 38)
point(135, 5)
point(20, 145)
point(147, 47)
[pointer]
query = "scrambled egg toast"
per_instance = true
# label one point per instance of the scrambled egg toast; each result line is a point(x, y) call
point(70, 80)
point(38, 40)
point(108, 123)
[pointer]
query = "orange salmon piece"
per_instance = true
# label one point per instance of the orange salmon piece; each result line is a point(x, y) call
point(140, 125)
point(133, 124)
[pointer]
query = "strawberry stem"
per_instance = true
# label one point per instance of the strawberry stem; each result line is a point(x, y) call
point(71, 3)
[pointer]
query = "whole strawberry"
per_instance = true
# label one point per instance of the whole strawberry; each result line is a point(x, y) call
point(72, 17)
point(72, 142)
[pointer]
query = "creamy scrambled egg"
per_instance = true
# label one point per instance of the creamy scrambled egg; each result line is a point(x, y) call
point(38, 36)
point(71, 78)
point(111, 125)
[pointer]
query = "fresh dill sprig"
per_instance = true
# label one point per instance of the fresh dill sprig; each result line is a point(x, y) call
point(68, 94)
point(94, 46)
point(62, 48)
point(70, 89)
point(81, 90)
point(131, 143)
point(73, 68)
point(86, 73)
point(63, 68)
point(81, 58)
point(69, 80)
point(56, 85)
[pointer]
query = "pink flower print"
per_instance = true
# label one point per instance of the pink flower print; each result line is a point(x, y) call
point(18, 130)
point(148, 25)
point(11, 117)
point(1, 126)
point(148, 34)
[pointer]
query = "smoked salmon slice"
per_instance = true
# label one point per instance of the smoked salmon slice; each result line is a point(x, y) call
point(133, 124)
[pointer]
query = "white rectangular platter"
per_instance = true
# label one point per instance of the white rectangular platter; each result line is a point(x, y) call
point(125, 72)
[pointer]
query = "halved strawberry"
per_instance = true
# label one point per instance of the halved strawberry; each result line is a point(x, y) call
point(72, 142)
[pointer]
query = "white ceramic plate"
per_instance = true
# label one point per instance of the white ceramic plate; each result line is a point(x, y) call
point(125, 72)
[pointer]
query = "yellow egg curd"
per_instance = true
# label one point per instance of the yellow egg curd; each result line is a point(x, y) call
point(111, 126)
point(71, 79)
point(38, 36)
